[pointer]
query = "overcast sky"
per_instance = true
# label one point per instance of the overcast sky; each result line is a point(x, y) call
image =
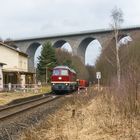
point(36, 18)
point(28, 18)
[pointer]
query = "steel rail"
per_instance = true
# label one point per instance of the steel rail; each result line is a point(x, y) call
point(28, 107)
point(22, 103)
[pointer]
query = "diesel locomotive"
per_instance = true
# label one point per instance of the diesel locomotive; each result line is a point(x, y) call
point(63, 79)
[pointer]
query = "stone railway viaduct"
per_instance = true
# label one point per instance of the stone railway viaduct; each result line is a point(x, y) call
point(78, 41)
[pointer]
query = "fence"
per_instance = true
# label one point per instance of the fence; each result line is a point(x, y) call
point(20, 87)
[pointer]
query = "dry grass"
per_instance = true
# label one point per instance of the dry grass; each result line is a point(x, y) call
point(101, 119)
point(6, 97)
point(117, 120)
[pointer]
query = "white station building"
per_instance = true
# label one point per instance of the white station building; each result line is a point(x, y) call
point(13, 67)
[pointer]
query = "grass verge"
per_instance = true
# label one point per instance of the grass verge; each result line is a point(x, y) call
point(106, 117)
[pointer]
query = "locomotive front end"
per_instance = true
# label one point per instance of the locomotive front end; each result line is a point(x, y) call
point(63, 80)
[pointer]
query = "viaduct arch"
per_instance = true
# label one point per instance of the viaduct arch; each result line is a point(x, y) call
point(78, 41)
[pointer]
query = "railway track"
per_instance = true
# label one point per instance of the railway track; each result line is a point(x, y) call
point(18, 108)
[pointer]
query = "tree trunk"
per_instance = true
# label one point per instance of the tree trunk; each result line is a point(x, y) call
point(117, 59)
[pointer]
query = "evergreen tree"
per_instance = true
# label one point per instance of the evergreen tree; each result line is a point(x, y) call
point(47, 60)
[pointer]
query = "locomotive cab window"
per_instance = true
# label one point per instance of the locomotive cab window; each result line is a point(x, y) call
point(64, 72)
point(56, 72)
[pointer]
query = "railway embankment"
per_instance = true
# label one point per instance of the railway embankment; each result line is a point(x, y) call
point(105, 116)
point(14, 120)
point(12, 127)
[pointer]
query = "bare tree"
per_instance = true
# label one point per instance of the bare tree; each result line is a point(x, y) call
point(117, 19)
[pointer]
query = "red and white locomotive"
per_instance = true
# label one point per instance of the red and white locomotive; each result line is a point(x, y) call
point(63, 79)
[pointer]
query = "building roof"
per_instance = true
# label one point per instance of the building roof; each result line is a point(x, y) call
point(20, 52)
point(2, 63)
point(15, 71)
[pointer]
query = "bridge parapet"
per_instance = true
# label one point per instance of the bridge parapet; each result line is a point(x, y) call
point(30, 45)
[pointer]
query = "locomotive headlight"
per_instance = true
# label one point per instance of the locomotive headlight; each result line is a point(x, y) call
point(66, 84)
point(60, 78)
point(53, 84)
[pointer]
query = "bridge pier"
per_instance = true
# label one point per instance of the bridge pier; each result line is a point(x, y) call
point(78, 41)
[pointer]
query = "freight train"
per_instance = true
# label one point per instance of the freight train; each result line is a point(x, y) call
point(82, 84)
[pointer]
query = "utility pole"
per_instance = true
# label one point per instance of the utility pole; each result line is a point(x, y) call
point(47, 66)
point(46, 75)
